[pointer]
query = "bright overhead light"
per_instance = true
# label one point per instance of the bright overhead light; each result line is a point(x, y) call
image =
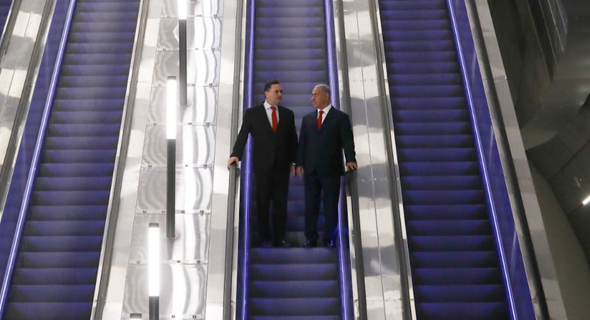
point(586, 201)
point(172, 97)
point(181, 9)
point(154, 260)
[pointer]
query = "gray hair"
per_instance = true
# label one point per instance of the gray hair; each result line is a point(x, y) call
point(325, 88)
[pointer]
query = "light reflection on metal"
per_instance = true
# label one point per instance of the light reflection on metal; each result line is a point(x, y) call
point(181, 5)
point(171, 128)
point(154, 270)
point(172, 99)
point(586, 201)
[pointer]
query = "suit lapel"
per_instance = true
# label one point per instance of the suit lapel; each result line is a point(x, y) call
point(264, 118)
point(281, 118)
point(327, 118)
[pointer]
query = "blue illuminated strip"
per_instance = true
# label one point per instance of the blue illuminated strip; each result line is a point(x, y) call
point(35, 160)
point(483, 166)
point(332, 74)
point(249, 84)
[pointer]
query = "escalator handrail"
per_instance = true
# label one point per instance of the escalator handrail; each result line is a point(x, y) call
point(351, 185)
point(35, 159)
point(343, 264)
point(248, 98)
point(234, 173)
point(487, 184)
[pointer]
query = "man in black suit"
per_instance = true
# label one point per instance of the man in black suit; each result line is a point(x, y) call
point(325, 132)
point(272, 128)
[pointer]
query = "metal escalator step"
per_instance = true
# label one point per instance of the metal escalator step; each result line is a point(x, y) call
point(458, 228)
point(462, 311)
point(55, 276)
point(294, 289)
point(295, 272)
point(49, 310)
point(63, 260)
point(295, 306)
point(60, 243)
point(51, 293)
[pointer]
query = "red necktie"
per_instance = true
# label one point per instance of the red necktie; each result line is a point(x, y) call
point(274, 119)
point(320, 120)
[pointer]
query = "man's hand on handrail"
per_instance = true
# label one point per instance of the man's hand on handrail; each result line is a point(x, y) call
point(233, 160)
point(351, 165)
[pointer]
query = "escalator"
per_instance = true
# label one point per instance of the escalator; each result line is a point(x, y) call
point(455, 266)
point(289, 43)
point(58, 258)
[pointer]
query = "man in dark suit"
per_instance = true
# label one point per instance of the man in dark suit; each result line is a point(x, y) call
point(272, 128)
point(325, 132)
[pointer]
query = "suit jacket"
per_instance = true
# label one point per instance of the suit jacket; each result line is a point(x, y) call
point(269, 148)
point(320, 151)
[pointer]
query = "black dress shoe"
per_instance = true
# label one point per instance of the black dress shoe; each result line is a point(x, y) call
point(310, 244)
point(282, 244)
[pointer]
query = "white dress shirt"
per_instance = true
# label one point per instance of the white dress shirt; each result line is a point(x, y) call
point(326, 110)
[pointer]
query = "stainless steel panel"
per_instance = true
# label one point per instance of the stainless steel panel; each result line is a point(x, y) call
point(193, 147)
point(377, 202)
point(182, 289)
point(189, 246)
point(227, 111)
point(202, 102)
point(206, 8)
point(193, 190)
point(202, 33)
point(202, 65)
point(121, 284)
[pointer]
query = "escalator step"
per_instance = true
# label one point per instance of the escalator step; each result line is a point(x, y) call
point(49, 310)
point(293, 289)
point(295, 272)
point(295, 307)
point(55, 276)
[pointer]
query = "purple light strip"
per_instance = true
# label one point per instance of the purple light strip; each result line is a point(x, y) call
point(483, 166)
point(247, 174)
point(332, 74)
point(35, 160)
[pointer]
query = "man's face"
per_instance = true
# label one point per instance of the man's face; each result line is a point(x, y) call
point(274, 94)
point(319, 99)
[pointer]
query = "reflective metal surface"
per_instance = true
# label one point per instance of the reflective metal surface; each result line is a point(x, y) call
point(193, 190)
point(107, 248)
point(22, 44)
point(228, 112)
point(193, 145)
point(514, 161)
point(142, 200)
point(375, 177)
point(182, 283)
point(204, 97)
point(118, 277)
point(9, 23)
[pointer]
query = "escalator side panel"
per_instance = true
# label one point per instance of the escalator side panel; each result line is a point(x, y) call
point(63, 233)
point(30, 132)
point(448, 219)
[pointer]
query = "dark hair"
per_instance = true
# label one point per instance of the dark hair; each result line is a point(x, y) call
point(269, 84)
